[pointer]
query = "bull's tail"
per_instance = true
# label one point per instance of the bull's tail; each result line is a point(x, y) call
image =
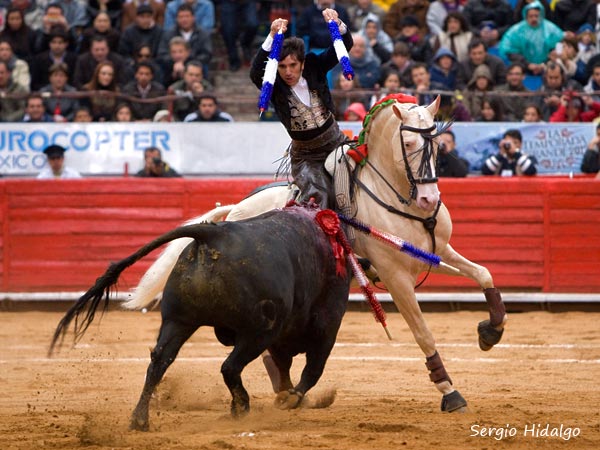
point(153, 282)
point(88, 303)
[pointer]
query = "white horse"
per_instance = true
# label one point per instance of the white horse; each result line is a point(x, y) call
point(396, 191)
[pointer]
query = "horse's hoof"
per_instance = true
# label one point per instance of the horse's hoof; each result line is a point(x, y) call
point(453, 402)
point(488, 335)
point(288, 399)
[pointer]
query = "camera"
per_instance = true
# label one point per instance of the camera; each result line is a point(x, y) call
point(506, 145)
point(157, 161)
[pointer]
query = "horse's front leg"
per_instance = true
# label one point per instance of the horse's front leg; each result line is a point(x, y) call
point(490, 331)
point(401, 287)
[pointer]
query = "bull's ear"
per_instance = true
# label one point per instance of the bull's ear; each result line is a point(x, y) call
point(434, 106)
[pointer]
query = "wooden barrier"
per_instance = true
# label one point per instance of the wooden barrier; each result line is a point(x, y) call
point(534, 234)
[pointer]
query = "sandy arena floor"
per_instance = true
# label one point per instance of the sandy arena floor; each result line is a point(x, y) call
point(545, 373)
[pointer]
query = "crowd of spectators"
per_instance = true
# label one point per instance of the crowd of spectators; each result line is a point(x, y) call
point(496, 59)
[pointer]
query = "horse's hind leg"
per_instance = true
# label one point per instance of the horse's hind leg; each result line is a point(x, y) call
point(489, 330)
point(171, 337)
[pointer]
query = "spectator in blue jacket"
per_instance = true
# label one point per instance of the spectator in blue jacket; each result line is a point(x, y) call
point(204, 12)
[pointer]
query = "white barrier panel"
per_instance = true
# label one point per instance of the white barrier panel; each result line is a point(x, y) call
point(247, 148)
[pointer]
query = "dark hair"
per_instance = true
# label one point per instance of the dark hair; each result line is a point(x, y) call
point(35, 95)
point(195, 63)
point(513, 133)
point(476, 42)
point(464, 25)
point(451, 133)
point(513, 65)
point(185, 7)
point(497, 106)
point(385, 73)
point(293, 46)
point(205, 95)
point(144, 64)
point(551, 65)
point(401, 48)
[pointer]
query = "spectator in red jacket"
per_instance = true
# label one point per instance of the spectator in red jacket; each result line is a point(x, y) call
point(573, 109)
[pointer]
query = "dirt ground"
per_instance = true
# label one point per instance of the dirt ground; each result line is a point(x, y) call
point(543, 378)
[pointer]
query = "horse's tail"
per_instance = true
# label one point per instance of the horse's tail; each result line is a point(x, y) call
point(88, 303)
point(155, 278)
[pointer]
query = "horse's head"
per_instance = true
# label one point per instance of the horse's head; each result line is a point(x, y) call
point(416, 151)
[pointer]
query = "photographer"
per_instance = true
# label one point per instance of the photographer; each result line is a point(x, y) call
point(510, 161)
point(591, 157)
point(155, 167)
point(449, 163)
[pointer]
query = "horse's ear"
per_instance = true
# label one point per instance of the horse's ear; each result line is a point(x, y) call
point(397, 110)
point(435, 106)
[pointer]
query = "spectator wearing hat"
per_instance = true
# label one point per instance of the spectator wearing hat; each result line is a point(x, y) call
point(444, 69)
point(394, 17)
point(379, 41)
point(530, 41)
point(419, 46)
point(355, 112)
point(143, 31)
point(208, 111)
point(12, 107)
point(35, 110)
point(56, 54)
point(586, 47)
point(129, 11)
point(204, 14)
point(56, 169)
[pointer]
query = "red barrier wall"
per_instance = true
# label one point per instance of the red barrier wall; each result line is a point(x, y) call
point(537, 234)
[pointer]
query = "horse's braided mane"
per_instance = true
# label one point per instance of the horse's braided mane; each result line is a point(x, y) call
point(385, 101)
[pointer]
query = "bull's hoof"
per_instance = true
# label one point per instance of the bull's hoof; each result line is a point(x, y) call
point(239, 407)
point(453, 402)
point(289, 399)
point(138, 424)
point(488, 335)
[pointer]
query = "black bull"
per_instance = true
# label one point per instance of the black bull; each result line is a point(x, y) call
point(264, 283)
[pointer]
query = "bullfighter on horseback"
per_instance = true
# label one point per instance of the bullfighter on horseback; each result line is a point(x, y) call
point(303, 103)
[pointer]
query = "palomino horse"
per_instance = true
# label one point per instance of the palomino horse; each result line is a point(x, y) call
point(395, 191)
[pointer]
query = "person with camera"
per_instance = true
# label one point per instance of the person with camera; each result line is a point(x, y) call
point(510, 160)
point(575, 108)
point(449, 163)
point(155, 167)
point(591, 157)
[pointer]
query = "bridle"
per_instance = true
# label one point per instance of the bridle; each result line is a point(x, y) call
point(424, 175)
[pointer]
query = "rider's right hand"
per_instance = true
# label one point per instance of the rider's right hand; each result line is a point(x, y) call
point(277, 25)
